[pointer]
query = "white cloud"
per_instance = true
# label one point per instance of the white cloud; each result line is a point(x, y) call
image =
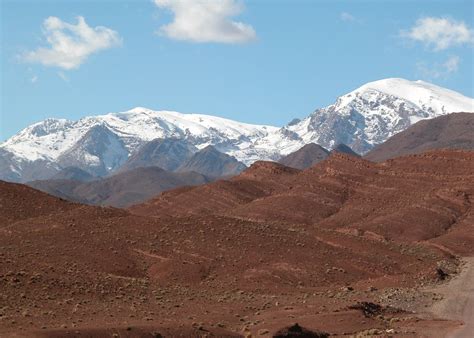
point(34, 79)
point(206, 21)
point(347, 17)
point(439, 70)
point(440, 33)
point(71, 44)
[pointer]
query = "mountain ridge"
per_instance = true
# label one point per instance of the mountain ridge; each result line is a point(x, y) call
point(122, 189)
point(101, 144)
point(212, 163)
point(305, 157)
point(452, 131)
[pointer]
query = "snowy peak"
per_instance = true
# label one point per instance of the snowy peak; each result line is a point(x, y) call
point(52, 138)
point(98, 152)
point(195, 124)
point(424, 95)
point(376, 111)
point(100, 145)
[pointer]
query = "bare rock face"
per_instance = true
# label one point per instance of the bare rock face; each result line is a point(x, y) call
point(453, 131)
point(168, 154)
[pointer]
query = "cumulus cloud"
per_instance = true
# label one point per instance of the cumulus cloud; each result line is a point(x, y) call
point(71, 44)
point(205, 21)
point(440, 33)
point(439, 70)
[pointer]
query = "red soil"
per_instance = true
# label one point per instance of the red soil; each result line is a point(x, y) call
point(258, 252)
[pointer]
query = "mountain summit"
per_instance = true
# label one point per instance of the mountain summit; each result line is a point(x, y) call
point(376, 111)
point(102, 144)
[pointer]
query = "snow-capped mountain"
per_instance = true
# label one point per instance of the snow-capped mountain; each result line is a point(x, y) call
point(376, 111)
point(100, 145)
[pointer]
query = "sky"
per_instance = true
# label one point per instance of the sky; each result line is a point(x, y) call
point(255, 61)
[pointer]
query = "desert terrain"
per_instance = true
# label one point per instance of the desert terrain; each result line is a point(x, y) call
point(346, 247)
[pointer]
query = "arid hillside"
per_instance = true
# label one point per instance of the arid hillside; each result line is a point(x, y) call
point(341, 247)
point(433, 190)
point(453, 131)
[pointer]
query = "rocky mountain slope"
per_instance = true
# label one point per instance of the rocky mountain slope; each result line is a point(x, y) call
point(138, 180)
point(343, 192)
point(122, 189)
point(342, 247)
point(342, 148)
point(73, 173)
point(168, 154)
point(212, 163)
point(311, 153)
point(19, 202)
point(376, 111)
point(305, 157)
point(100, 145)
point(453, 131)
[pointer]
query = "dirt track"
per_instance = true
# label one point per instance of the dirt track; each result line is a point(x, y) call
point(458, 302)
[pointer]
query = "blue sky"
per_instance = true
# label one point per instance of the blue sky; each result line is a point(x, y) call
point(282, 60)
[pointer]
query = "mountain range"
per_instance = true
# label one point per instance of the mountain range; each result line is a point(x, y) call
point(102, 145)
point(345, 243)
point(134, 184)
point(141, 178)
point(122, 189)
